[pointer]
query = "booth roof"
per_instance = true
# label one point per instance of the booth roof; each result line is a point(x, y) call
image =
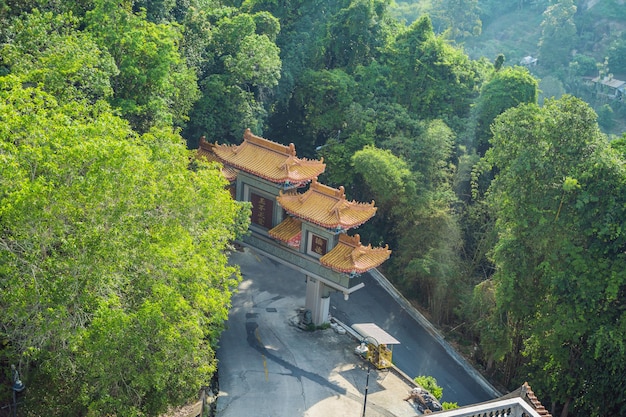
point(372, 330)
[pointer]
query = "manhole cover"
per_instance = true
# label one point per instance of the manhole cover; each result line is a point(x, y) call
point(271, 310)
point(252, 315)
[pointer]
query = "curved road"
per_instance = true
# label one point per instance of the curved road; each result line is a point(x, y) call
point(419, 353)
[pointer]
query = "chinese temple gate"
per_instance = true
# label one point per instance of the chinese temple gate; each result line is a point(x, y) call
point(305, 230)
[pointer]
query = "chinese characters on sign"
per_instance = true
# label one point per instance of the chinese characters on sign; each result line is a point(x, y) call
point(318, 245)
point(262, 209)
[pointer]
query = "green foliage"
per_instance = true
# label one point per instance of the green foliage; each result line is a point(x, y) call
point(617, 55)
point(428, 148)
point(48, 50)
point(419, 226)
point(449, 406)
point(157, 11)
point(355, 34)
point(558, 33)
point(224, 111)
point(154, 86)
point(266, 24)
point(550, 87)
point(244, 65)
point(338, 158)
point(461, 18)
point(429, 383)
point(584, 65)
point(322, 99)
point(387, 176)
point(605, 117)
point(408, 11)
point(114, 276)
point(430, 77)
point(507, 88)
point(619, 145)
point(559, 200)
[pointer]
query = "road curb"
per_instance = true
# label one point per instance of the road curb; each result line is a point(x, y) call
point(419, 317)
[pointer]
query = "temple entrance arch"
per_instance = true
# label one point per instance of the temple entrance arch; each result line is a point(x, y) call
point(296, 220)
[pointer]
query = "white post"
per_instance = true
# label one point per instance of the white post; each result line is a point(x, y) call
point(317, 300)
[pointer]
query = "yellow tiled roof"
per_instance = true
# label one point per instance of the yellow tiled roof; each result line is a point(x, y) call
point(288, 231)
point(270, 160)
point(349, 256)
point(327, 207)
point(206, 152)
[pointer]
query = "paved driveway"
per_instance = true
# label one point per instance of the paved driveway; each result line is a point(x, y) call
point(269, 367)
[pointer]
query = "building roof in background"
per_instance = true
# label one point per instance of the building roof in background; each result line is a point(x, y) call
point(610, 82)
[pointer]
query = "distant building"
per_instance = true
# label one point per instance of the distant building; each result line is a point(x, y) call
point(610, 87)
point(528, 61)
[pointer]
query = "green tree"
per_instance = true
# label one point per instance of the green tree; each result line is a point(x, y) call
point(236, 78)
point(428, 152)
point(223, 112)
point(461, 17)
point(418, 225)
point(558, 34)
point(337, 154)
point(154, 86)
point(429, 77)
point(507, 88)
point(559, 200)
point(321, 101)
point(114, 281)
point(355, 34)
point(48, 50)
point(583, 65)
point(605, 117)
point(617, 54)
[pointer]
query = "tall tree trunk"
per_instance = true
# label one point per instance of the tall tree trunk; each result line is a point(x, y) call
point(514, 358)
point(565, 410)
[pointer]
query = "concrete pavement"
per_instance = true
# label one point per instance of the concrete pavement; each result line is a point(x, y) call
point(270, 367)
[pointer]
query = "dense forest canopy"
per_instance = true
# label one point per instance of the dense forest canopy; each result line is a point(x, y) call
point(497, 189)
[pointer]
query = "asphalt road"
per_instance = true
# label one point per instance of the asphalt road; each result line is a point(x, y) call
point(419, 352)
point(270, 367)
point(270, 284)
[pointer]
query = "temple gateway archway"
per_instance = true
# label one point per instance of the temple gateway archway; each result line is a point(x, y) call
point(296, 220)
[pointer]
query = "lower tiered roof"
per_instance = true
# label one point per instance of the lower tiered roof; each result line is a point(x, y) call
point(350, 257)
point(288, 231)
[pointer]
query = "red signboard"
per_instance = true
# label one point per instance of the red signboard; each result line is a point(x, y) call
point(262, 210)
point(318, 245)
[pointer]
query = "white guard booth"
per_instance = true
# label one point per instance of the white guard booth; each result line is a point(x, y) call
point(379, 344)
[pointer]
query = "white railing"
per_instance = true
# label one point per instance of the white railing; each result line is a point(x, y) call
point(510, 407)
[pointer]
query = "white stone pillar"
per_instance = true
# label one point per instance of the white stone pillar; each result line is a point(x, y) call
point(317, 300)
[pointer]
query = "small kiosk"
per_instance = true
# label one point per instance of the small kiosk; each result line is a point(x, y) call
point(379, 344)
